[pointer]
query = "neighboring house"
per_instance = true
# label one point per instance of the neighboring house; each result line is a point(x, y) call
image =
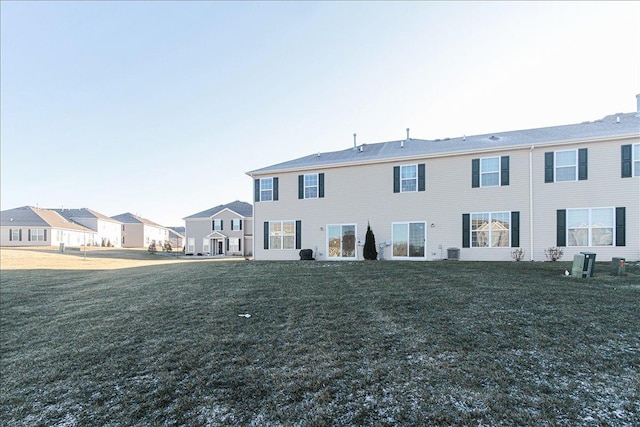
point(176, 237)
point(138, 232)
point(29, 226)
point(225, 230)
point(108, 230)
point(574, 186)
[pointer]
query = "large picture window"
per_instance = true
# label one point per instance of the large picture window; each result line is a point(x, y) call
point(490, 229)
point(282, 234)
point(409, 239)
point(341, 241)
point(590, 227)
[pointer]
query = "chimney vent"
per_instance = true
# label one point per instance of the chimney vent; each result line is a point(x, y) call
point(638, 105)
point(354, 142)
point(408, 134)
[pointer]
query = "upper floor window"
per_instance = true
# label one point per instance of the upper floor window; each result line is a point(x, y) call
point(565, 165)
point(409, 178)
point(265, 189)
point(630, 160)
point(490, 171)
point(311, 186)
point(236, 224)
point(217, 225)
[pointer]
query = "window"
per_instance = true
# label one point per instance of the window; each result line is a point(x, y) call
point(266, 189)
point(409, 239)
point(409, 178)
point(217, 225)
point(205, 245)
point(590, 227)
point(233, 245)
point(282, 234)
point(311, 186)
point(490, 229)
point(489, 171)
point(566, 165)
point(341, 241)
point(191, 245)
point(15, 235)
point(37, 235)
point(236, 224)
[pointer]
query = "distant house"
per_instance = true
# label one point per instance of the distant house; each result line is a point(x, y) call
point(108, 230)
point(138, 232)
point(475, 198)
point(224, 230)
point(29, 226)
point(176, 237)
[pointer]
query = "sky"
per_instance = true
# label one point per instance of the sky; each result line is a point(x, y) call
point(160, 108)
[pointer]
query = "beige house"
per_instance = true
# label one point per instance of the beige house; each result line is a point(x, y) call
point(473, 197)
point(224, 230)
point(32, 226)
point(138, 232)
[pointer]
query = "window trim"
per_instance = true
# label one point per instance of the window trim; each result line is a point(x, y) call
point(490, 230)
point(408, 224)
point(355, 244)
point(269, 234)
point(414, 179)
point(498, 171)
point(589, 227)
point(316, 186)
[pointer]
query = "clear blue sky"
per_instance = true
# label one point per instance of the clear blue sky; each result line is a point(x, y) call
point(159, 108)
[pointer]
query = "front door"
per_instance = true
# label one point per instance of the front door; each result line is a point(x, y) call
point(220, 247)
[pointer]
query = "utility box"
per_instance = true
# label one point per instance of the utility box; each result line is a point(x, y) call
point(453, 254)
point(61, 248)
point(618, 266)
point(589, 263)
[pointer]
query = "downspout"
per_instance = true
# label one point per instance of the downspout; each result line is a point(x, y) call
point(531, 203)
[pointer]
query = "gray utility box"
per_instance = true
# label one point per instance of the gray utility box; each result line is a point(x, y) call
point(583, 264)
point(618, 266)
point(453, 254)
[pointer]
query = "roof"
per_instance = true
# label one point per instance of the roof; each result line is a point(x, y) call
point(243, 209)
point(607, 127)
point(129, 218)
point(83, 213)
point(28, 216)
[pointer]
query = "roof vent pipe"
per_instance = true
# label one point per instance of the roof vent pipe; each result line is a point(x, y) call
point(407, 134)
point(638, 105)
point(354, 142)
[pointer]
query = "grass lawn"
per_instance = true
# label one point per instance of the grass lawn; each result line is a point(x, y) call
point(366, 343)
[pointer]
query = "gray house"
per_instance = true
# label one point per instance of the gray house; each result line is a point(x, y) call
point(224, 230)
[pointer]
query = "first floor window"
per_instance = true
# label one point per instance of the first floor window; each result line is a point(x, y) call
point(205, 245)
point(15, 235)
point(38, 235)
point(341, 241)
point(282, 234)
point(490, 229)
point(234, 245)
point(409, 239)
point(590, 227)
point(191, 244)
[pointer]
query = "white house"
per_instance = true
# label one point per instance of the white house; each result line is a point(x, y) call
point(32, 226)
point(477, 197)
point(108, 230)
point(224, 230)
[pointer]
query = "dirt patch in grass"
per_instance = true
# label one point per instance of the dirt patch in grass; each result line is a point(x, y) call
point(380, 343)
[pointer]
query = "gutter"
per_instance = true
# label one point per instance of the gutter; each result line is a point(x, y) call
point(531, 203)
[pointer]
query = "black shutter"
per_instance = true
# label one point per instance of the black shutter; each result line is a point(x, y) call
point(298, 234)
point(300, 186)
point(626, 161)
point(548, 166)
point(256, 190)
point(275, 188)
point(20, 235)
point(321, 185)
point(466, 230)
point(421, 179)
point(582, 164)
point(504, 170)
point(227, 240)
point(45, 234)
point(28, 235)
point(266, 235)
point(396, 179)
point(620, 227)
point(240, 245)
point(213, 225)
point(561, 227)
point(475, 173)
point(221, 225)
point(240, 221)
point(515, 229)
point(10, 235)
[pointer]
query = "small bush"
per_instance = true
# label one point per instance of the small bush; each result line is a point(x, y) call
point(553, 253)
point(517, 254)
